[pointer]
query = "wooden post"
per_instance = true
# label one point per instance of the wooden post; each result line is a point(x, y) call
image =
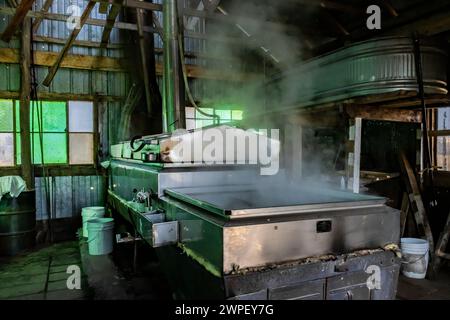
point(140, 26)
point(25, 91)
point(357, 155)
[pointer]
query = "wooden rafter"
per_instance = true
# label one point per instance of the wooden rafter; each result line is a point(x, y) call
point(103, 7)
point(52, 72)
point(12, 3)
point(110, 20)
point(21, 13)
point(140, 24)
point(37, 22)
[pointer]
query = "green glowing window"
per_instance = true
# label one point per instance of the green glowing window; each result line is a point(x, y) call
point(61, 132)
point(195, 119)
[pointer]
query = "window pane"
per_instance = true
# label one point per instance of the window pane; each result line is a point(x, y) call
point(225, 115)
point(204, 123)
point(237, 114)
point(55, 118)
point(17, 107)
point(6, 149)
point(190, 112)
point(190, 124)
point(206, 110)
point(81, 116)
point(443, 153)
point(81, 148)
point(55, 148)
point(6, 115)
point(443, 122)
point(52, 115)
point(18, 153)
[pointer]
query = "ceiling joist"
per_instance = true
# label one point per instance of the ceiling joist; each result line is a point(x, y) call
point(20, 14)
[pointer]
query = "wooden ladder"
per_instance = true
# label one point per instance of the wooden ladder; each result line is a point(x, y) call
point(417, 208)
point(442, 245)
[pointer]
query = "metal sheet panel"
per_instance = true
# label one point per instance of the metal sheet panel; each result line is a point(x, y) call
point(68, 195)
point(375, 66)
point(253, 245)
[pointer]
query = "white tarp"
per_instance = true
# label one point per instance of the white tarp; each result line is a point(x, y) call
point(14, 185)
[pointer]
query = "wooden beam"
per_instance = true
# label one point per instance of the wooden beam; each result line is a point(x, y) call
point(83, 62)
point(110, 20)
point(52, 96)
point(140, 24)
point(12, 3)
point(136, 4)
point(103, 7)
point(25, 92)
point(439, 133)
point(51, 74)
point(383, 114)
point(86, 62)
point(19, 16)
point(37, 22)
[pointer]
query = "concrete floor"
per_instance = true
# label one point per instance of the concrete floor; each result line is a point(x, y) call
point(41, 275)
point(424, 289)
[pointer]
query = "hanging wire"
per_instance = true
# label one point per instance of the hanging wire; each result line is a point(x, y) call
point(186, 83)
point(36, 104)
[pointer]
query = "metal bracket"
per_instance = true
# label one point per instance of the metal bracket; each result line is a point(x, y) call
point(165, 233)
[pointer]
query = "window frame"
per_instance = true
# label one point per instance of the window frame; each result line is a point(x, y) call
point(67, 164)
point(204, 118)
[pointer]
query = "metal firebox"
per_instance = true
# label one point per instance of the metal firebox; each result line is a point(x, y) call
point(228, 232)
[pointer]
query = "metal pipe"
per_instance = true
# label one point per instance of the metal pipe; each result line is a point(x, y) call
point(173, 108)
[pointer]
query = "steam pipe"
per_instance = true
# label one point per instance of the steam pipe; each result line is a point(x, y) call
point(173, 103)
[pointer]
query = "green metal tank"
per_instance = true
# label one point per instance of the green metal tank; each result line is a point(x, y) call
point(17, 223)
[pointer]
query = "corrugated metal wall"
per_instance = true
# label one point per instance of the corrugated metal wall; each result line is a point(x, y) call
point(69, 194)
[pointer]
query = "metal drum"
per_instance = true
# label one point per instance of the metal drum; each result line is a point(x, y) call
point(17, 223)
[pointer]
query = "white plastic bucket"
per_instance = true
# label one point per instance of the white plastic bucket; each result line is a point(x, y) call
point(415, 257)
point(91, 213)
point(100, 239)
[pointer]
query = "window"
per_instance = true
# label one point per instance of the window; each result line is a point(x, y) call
point(7, 133)
point(195, 120)
point(61, 132)
point(443, 139)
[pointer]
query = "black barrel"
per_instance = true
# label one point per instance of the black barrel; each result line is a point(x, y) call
point(17, 223)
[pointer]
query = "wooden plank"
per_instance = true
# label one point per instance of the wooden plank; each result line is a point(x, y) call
point(439, 133)
point(12, 3)
point(110, 20)
point(19, 16)
point(136, 4)
point(103, 7)
point(84, 62)
point(37, 22)
point(140, 24)
point(52, 96)
point(25, 92)
point(383, 114)
point(404, 213)
point(52, 72)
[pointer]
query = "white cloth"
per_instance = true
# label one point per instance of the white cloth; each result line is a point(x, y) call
point(14, 185)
